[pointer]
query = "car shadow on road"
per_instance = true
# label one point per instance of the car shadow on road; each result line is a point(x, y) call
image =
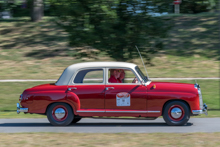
point(123, 124)
point(91, 125)
point(25, 125)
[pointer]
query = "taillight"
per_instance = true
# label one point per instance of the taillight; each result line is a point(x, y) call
point(20, 99)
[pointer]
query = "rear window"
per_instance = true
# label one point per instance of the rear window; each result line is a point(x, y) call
point(86, 76)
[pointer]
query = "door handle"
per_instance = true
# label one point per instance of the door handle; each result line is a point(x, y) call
point(107, 88)
point(73, 88)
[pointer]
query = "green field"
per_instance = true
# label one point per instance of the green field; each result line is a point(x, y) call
point(40, 50)
point(10, 93)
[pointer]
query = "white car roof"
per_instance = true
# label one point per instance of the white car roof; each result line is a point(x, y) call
point(69, 71)
point(101, 64)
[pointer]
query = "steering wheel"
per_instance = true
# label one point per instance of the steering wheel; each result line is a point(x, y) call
point(135, 80)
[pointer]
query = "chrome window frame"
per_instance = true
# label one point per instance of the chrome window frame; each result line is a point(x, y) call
point(71, 82)
point(134, 72)
point(140, 75)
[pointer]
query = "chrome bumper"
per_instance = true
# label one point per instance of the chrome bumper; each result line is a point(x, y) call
point(21, 109)
point(203, 111)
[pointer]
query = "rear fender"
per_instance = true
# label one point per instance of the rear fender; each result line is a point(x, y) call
point(74, 99)
point(42, 99)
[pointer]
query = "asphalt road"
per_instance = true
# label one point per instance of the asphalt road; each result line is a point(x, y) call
point(89, 125)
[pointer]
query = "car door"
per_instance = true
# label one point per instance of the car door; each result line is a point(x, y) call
point(89, 86)
point(126, 96)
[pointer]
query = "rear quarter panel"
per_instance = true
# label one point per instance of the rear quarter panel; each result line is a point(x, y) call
point(40, 97)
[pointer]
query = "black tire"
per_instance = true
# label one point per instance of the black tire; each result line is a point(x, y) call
point(182, 118)
point(76, 119)
point(64, 121)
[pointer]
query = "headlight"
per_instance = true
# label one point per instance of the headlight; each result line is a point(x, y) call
point(200, 98)
point(199, 91)
point(200, 95)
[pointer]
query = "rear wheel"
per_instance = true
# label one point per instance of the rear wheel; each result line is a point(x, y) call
point(60, 114)
point(76, 119)
point(176, 113)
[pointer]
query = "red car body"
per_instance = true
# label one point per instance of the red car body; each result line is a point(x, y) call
point(145, 100)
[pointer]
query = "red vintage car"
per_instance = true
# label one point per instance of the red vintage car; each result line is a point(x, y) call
point(111, 89)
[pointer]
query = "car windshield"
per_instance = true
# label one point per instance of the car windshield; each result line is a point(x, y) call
point(143, 77)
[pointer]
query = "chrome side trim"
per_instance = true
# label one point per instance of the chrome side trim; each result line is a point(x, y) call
point(153, 111)
point(21, 109)
point(88, 111)
point(128, 111)
point(121, 111)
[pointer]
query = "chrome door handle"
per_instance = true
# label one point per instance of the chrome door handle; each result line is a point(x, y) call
point(107, 88)
point(73, 88)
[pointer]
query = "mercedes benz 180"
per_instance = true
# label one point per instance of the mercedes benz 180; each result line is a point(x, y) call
point(111, 89)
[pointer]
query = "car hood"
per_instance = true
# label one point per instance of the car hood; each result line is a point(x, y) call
point(171, 87)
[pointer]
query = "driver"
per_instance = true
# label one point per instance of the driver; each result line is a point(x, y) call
point(122, 76)
point(115, 74)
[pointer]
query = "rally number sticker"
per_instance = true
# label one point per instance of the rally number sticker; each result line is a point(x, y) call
point(123, 99)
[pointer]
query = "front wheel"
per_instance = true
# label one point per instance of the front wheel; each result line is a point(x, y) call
point(176, 113)
point(60, 114)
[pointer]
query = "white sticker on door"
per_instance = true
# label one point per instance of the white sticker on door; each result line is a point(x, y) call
point(123, 99)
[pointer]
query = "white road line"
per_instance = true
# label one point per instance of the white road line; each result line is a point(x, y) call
point(52, 80)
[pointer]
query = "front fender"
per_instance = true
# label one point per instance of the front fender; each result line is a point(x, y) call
point(156, 100)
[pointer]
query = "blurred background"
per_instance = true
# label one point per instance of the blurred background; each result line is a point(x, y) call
point(40, 38)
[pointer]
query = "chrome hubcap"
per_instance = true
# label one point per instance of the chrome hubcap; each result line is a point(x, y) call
point(59, 113)
point(176, 112)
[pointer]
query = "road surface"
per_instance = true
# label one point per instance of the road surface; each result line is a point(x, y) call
point(89, 125)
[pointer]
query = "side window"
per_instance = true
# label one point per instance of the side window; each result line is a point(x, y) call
point(89, 76)
point(121, 76)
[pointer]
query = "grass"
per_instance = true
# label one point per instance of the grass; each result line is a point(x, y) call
point(11, 91)
point(40, 50)
point(109, 140)
point(210, 114)
point(13, 114)
point(194, 37)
